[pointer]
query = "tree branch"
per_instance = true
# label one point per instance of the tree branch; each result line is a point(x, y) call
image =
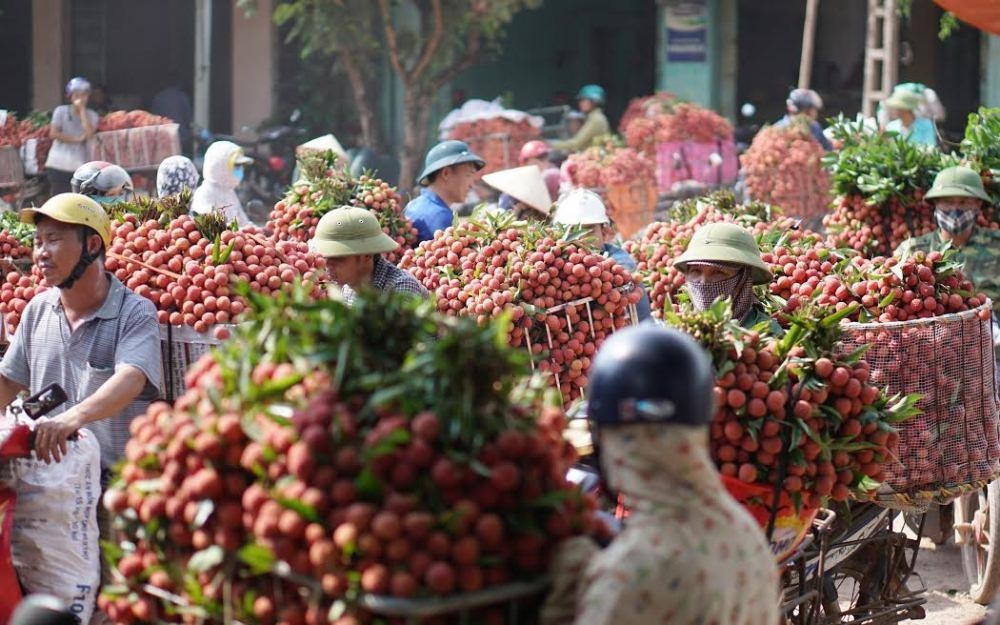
point(390, 40)
point(432, 43)
point(473, 48)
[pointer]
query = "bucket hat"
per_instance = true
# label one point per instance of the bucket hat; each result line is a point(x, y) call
point(446, 154)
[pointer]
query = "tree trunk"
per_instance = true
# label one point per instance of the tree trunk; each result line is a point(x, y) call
point(366, 103)
point(417, 101)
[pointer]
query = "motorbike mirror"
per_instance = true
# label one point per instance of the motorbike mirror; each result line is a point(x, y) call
point(296, 116)
point(748, 110)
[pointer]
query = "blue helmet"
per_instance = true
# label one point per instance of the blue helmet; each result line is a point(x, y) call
point(651, 374)
point(446, 154)
point(594, 93)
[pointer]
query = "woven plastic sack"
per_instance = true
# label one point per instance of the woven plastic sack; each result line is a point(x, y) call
point(954, 444)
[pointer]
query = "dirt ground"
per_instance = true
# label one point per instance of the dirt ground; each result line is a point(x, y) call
point(948, 601)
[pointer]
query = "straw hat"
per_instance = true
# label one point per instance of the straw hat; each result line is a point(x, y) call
point(525, 184)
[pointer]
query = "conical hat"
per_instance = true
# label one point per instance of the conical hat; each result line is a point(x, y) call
point(324, 143)
point(524, 184)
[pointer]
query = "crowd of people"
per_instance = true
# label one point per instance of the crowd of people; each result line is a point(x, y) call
point(650, 398)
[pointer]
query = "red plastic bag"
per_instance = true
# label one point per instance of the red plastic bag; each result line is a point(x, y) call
point(10, 588)
point(791, 523)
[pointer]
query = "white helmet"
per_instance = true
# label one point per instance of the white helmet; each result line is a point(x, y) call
point(581, 207)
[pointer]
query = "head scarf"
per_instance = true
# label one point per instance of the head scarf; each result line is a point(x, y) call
point(176, 174)
point(739, 288)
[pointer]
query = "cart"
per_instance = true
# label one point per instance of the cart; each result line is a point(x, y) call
point(17, 188)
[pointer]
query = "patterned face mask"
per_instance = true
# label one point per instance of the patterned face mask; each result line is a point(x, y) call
point(739, 288)
point(954, 221)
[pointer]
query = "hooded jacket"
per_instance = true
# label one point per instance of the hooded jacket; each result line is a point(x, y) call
point(218, 188)
point(689, 553)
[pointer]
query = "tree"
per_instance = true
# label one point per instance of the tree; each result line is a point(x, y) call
point(427, 43)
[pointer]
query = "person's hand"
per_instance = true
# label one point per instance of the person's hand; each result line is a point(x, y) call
point(51, 436)
point(80, 101)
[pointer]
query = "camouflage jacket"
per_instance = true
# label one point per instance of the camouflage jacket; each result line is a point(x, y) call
point(980, 255)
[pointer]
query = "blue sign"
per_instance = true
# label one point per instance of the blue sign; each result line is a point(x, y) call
point(687, 31)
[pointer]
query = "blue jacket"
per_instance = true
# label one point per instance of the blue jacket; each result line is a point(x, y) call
point(623, 258)
point(429, 213)
point(814, 128)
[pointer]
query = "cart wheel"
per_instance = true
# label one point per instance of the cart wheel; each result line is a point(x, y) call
point(977, 522)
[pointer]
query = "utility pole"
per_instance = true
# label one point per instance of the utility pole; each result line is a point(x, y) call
point(808, 44)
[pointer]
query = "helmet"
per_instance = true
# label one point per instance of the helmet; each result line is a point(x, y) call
point(86, 172)
point(446, 154)
point(73, 208)
point(594, 93)
point(651, 374)
point(725, 243)
point(581, 207)
point(804, 99)
point(533, 149)
point(350, 231)
point(78, 83)
point(42, 609)
point(97, 181)
point(958, 182)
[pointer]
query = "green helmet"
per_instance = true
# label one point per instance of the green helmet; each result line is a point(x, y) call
point(958, 181)
point(594, 93)
point(725, 243)
point(446, 154)
point(350, 231)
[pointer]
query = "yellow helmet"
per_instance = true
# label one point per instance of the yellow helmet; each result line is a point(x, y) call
point(73, 208)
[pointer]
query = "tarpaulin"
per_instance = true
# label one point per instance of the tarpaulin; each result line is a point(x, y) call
point(983, 15)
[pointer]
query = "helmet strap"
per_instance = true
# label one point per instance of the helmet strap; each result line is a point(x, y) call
point(86, 259)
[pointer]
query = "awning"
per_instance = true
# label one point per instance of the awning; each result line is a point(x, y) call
point(983, 15)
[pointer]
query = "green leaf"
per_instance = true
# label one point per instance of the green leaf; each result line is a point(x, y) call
point(369, 486)
point(303, 509)
point(260, 559)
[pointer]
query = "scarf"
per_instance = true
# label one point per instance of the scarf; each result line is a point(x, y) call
point(739, 288)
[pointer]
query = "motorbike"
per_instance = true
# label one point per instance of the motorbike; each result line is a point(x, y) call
point(19, 443)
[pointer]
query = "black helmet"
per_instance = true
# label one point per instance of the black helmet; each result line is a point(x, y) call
point(43, 610)
point(651, 374)
point(97, 179)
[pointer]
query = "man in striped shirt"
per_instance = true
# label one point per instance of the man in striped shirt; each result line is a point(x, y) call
point(90, 334)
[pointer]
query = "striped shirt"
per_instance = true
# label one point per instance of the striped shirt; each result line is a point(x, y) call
point(389, 277)
point(123, 331)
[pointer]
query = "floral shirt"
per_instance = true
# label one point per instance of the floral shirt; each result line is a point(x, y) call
point(689, 554)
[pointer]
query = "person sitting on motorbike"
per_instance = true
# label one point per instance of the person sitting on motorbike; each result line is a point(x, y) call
point(723, 260)
point(89, 334)
point(537, 153)
point(591, 100)
point(689, 553)
point(175, 175)
point(807, 104)
point(450, 169)
point(223, 169)
point(522, 190)
point(105, 182)
point(583, 207)
point(352, 241)
point(959, 197)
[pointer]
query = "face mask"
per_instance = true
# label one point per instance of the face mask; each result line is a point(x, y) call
point(955, 221)
point(105, 200)
point(238, 173)
point(738, 288)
